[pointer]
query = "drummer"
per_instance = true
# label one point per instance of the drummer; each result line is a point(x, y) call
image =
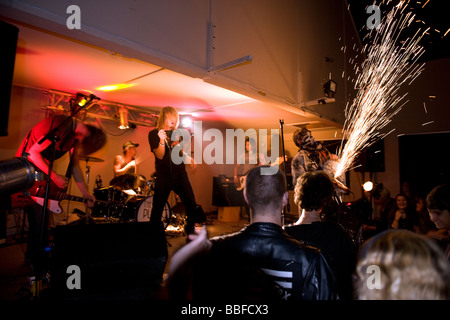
point(126, 163)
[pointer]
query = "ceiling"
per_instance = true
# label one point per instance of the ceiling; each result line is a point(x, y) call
point(49, 61)
point(46, 60)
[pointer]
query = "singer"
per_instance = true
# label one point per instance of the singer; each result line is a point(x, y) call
point(170, 176)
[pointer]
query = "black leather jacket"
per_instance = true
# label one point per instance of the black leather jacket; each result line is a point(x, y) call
point(299, 270)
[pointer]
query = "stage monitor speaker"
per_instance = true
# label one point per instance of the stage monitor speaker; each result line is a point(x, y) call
point(225, 193)
point(108, 261)
point(9, 34)
point(372, 159)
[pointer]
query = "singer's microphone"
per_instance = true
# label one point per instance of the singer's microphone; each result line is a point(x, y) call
point(167, 140)
point(94, 97)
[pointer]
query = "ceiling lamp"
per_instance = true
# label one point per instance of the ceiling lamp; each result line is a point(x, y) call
point(115, 87)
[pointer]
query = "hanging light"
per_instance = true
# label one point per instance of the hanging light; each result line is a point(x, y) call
point(123, 118)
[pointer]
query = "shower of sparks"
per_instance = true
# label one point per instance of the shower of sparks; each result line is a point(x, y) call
point(446, 32)
point(386, 68)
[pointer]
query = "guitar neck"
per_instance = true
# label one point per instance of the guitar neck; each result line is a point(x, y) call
point(64, 196)
point(38, 190)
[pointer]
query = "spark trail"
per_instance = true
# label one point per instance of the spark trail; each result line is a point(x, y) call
point(386, 68)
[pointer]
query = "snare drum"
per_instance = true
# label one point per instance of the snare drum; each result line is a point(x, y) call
point(110, 194)
point(139, 209)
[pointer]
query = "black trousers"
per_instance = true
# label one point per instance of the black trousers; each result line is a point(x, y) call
point(180, 184)
point(38, 236)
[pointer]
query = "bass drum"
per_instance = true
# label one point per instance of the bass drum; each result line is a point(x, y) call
point(139, 209)
point(111, 195)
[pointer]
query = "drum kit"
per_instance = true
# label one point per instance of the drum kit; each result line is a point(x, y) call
point(132, 196)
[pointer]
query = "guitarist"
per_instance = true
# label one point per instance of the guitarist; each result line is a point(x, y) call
point(247, 161)
point(74, 137)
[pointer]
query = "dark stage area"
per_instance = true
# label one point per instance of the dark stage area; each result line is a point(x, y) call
point(117, 261)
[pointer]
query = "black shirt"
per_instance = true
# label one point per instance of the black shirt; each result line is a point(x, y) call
point(164, 165)
point(337, 247)
point(65, 133)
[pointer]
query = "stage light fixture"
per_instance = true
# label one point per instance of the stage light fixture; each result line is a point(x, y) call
point(329, 88)
point(186, 121)
point(80, 99)
point(123, 118)
point(368, 186)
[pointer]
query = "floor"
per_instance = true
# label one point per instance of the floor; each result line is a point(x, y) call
point(16, 276)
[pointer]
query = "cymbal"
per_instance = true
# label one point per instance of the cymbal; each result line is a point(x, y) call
point(91, 159)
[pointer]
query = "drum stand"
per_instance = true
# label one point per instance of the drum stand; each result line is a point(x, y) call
point(87, 219)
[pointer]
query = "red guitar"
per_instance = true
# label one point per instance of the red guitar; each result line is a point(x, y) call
point(56, 195)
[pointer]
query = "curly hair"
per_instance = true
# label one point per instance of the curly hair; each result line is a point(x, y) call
point(313, 190)
point(410, 267)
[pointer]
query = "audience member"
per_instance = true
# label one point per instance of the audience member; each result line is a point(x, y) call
point(312, 192)
point(261, 261)
point(402, 215)
point(438, 203)
point(383, 205)
point(401, 265)
point(409, 193)
point(424, 223)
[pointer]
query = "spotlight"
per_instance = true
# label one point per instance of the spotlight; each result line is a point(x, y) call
point(368, 186)
point(81, 101)
point(186, 121)
point(329, 88)
point(123, 118)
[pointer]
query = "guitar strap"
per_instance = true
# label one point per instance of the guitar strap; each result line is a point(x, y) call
point(27, 139)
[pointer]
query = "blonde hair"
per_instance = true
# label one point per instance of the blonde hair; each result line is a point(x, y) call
point(164, 114)
point(411, 267)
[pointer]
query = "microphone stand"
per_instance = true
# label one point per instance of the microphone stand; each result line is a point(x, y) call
point(52, 135)
point(287, 207)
